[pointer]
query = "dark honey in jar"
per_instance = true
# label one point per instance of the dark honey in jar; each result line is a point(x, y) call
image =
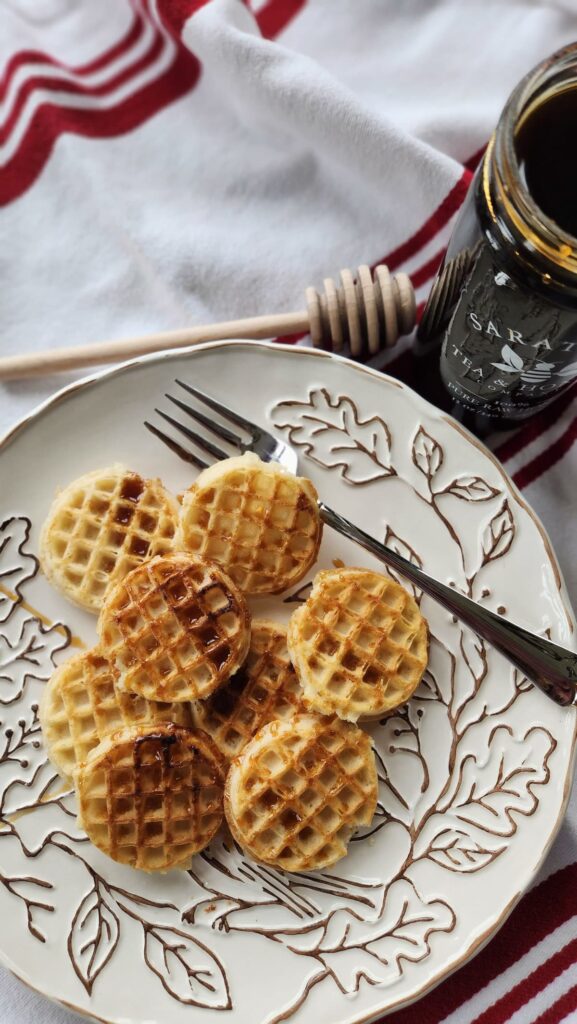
point(500, 325)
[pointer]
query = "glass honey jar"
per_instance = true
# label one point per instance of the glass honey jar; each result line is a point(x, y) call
point(500, 324)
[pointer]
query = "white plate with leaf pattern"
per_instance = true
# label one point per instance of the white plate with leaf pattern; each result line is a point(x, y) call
point(475, 771)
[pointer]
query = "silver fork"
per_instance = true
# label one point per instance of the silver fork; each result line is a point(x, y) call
point(551, 667)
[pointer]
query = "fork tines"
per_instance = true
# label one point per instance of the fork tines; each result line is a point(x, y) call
point(203, 443)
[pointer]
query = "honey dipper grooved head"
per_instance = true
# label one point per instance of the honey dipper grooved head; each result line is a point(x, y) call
point(299, 790)
point(174, 629)
point(258, 521)
point(151, 797)
point(359, 644)
point(100, 527)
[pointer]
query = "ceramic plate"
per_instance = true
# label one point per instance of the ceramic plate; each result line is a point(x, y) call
point(474, 772)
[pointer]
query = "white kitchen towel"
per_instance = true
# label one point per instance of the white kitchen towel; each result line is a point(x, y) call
point(161, 165)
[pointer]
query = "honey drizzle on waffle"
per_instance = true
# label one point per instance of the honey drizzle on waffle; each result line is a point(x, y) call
point(266, 687)
point(174, 628)
point(100, 527)
point(81, 705)
point(152, 798)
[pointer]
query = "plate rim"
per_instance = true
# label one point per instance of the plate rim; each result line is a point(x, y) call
point(61, 394)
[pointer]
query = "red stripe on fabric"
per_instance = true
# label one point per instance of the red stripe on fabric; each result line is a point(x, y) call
point(276, 15)
point(432, 225)
point(548, 458)
point(559, 1010)
point(174, 13)
point(532, 430)
point(428, 270)
point(527, 989)
point(545, 908)
point(51, 120)
point(33, 57)
point(79, 88)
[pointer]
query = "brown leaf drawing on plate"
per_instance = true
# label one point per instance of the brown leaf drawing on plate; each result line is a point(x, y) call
point(400, 547)
point(16, 565)
point(470, 488)
point(189, 970)
point(93, 936)
point(499, 534)
point(426, 453)
point(456, 850)
point(20, 886)
point(334, 436)
point(28, 654)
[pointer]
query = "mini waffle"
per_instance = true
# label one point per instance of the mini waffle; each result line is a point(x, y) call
point(174, 629)
point(359, 644)
point(266, 687)
point(298, 791)
point(259, 522)
point(151, 798)
point(81, 705)
point(100, 527)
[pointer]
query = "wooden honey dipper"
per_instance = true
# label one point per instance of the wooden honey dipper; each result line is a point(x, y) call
point(367, 314)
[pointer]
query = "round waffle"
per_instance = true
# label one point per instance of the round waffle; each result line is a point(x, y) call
point(265, 688)
point(81, 705)
point(174, 629)
point(151, 798)
point(359, 644)
point(100, 527)
point(258, 521)
point(298, 791)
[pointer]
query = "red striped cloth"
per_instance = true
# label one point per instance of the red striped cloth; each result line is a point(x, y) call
point(197, 161)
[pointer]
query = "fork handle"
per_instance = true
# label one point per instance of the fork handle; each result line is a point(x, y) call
point(552, 668)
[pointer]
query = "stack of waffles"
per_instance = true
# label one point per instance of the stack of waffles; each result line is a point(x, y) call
point(187, 711)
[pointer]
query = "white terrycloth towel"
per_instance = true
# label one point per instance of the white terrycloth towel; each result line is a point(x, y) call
point(166, 165)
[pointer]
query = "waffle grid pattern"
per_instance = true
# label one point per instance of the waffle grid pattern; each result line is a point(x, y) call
point(101, 527)
point(299, 790)
point(359, 644)
point(265, 688)
point(81, 706)
point(174, 629)
point(259, 523)
point(154, 799)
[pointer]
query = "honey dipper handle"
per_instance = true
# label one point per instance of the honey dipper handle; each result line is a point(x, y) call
point(552, 668)
point(34, 364)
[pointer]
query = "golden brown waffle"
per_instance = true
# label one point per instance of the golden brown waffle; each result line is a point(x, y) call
point(100, 527)
point(81, 705)
point(258, 521)
point(266, 687)
point(174, 629)
point(298, 791)
point(151, 798)
point(359, 644)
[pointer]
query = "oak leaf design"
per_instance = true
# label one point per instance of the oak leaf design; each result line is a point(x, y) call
point(16, 565)
point(28, 653)
point(375, 950)
point(332, 433)
point(488, 792)
point(93, 936)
